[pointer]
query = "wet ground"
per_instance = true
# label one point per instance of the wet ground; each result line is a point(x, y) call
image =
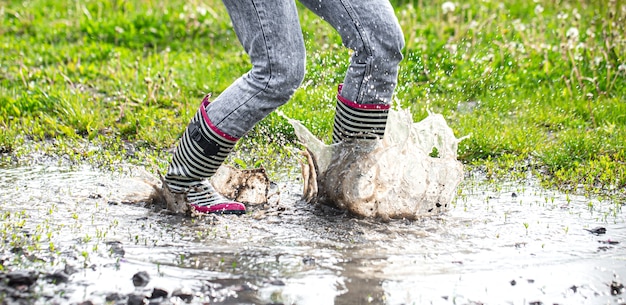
point(67, 240)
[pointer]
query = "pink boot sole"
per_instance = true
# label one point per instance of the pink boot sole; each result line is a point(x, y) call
point(222, 208)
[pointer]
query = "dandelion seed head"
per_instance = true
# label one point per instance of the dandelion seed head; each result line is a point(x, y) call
point(448, 7)
point(590, 33)
point(576, 14)
point(538, 9)
point(572, 33)
point(621, 68)
point(597, 60)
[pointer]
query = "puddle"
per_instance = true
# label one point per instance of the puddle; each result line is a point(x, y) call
point(498, 244)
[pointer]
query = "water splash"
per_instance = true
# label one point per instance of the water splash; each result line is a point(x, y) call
point(412, 172)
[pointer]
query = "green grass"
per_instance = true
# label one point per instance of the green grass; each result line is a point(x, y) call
point(533, 95)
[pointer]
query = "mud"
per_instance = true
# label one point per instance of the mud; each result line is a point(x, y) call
point(67, 238)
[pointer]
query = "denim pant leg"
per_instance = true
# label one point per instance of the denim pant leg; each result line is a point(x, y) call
point(270, 33)
point(371, 29)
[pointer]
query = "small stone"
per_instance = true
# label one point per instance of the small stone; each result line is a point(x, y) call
point(58, 277)
point(116, 249)
point(94, 196)
point(141, 279)
point(113, 297)
point(183, 294)
point(597, 230)
point(88, 302)
point(307, 260)
point(136, 299)
point(69, 269)
point(616, 288)
point(158, 293)
point(22, 277)
point(513, 283)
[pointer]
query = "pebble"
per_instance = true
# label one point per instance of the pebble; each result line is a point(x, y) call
point(141, 279)
point(136, 299)
point(113, 297)
point(116, 249)
point(69, 269)
point(184, 294)
point(616, 288)
point(158, 293)
point(58, 277)
point(597, 230)
point(307, 260)
point(22, 277)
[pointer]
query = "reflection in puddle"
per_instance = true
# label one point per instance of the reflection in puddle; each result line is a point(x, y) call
point(511, 243)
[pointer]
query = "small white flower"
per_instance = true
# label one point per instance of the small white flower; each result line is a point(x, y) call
point(448, 7)
point(590, 33)
point(452, 48)
point(572, 33)
point(562, 16)
point(621, 68)
point(518, 25)
point(597, 60)
point(538, 9)
point(202, 11)
point(487, 58)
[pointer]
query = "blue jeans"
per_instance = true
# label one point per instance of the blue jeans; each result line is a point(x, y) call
point(270, 33)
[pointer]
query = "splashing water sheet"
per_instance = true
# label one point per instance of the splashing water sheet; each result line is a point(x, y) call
point(411, 173)
point(510, 243)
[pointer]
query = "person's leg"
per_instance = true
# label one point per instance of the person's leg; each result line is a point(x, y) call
point(371, 29)
point(270, 33)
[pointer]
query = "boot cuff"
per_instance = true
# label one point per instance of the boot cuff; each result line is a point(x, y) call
point(205, 116)
point(352, 104)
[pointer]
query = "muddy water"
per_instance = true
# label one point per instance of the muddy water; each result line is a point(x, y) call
point(498, 244)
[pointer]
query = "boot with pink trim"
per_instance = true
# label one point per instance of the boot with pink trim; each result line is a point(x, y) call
point(200, 152)
point(358, 121)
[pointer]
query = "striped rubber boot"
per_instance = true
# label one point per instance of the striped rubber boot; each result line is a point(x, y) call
point(200, 152)
point(358, 121)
